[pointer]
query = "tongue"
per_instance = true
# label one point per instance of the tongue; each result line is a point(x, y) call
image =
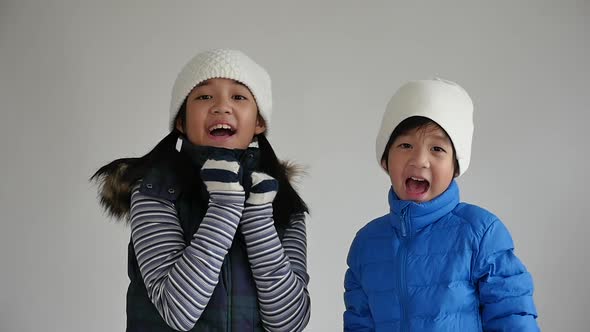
point(221, 132)
point(416, 187)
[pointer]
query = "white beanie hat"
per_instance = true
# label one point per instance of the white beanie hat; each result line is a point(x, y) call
point(443, 102)
point(223, 63)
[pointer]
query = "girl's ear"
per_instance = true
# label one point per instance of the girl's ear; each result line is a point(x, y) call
point(260, 125)
point(179, 125)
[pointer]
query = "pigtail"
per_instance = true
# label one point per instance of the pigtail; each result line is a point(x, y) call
point(287, 202)
point(117, 178)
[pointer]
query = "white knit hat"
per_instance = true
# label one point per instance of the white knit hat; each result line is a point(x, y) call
point(442, 101)
point(223, 63)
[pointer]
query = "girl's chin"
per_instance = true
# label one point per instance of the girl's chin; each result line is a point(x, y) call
point(229, 142)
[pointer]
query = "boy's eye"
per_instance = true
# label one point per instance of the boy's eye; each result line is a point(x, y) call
point(405, 146)
point(239, 97)
point(203, 97)
point(438, 149)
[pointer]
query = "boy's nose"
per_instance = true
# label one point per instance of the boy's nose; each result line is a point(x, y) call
point(420, 159)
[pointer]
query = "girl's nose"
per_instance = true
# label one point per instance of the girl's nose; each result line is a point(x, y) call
point(222, 107)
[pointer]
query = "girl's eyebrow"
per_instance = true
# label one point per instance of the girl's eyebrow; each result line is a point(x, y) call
point(238, 83)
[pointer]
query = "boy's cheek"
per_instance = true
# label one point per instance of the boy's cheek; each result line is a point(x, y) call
point(385, 161)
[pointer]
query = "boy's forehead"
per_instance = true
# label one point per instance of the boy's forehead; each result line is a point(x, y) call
point(429, 130)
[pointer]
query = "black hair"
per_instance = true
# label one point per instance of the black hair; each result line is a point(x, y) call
point(180, 117)
point(130, 170)
point(416, 123)
point(287, 201)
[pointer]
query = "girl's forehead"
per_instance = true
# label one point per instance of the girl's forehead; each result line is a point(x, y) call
point(220, 81)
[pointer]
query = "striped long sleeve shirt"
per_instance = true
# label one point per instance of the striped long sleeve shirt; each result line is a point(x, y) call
point(278, 268)
point(180, 279)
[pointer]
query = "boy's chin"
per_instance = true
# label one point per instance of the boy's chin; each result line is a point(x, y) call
point(414, 197)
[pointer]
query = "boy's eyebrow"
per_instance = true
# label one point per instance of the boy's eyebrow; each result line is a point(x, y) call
point(440, 137)
point(207, 83)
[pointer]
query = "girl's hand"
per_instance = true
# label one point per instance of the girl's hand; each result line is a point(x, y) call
point(222, 172)
point(264, 189)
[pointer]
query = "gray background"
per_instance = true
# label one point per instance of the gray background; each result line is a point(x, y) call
point(82, 83)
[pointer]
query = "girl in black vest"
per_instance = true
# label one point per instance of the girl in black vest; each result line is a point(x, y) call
point(218, 237)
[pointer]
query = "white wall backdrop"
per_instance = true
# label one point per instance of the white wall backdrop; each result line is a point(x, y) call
point(83, 83)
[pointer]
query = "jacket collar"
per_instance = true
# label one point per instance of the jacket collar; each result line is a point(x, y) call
point(161, 180)
point(199, 154)
point(408, 216)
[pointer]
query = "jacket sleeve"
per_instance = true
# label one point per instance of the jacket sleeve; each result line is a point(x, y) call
point(505, 286)
point(180, 279)
point(357, 316)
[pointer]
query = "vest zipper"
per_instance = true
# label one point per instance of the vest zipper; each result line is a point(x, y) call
point(229, 293)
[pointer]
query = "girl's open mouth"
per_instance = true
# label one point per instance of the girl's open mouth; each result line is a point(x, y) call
point(221, 130)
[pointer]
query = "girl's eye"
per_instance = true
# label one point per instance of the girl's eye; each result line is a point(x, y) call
point(203, 97)
point(405, 146)
point(239, 97)
point(438, 149)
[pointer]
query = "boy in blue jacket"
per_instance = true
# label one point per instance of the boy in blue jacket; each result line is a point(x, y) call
point(433, 263)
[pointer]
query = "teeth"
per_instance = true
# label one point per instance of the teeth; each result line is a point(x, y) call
point(416, 179)
point(220, 126)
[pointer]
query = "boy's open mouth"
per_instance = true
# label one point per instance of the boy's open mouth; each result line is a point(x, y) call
point(416, 185)
point(221, 129)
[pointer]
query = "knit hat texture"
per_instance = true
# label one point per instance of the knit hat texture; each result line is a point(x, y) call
point(443, 102)
point(223, 63)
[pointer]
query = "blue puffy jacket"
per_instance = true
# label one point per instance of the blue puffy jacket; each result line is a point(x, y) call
point(436, 266)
